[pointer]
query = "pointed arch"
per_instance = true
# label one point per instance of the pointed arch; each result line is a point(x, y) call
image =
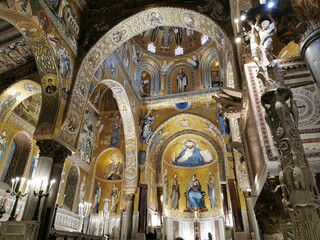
point(21, 147)
point(170, 79)
point(122, 32)
point(130, 137)
point(209, 132)
point(14, 95)
point(47, 67)
point(208, 58)
point(155, 78)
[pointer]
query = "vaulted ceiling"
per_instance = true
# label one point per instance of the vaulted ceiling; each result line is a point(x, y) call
point(16, 58)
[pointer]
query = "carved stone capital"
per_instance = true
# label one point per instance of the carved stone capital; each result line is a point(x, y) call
point(54, 150)
point(130, 197)
point(307, 12)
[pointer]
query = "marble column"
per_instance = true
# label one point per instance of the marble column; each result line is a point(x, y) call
point(42, 171)
point(310, 49)
point(159, 201)
point(235, 203)
point(129, 210)
point(58, 157)
point(143, 209)
point(252, 217)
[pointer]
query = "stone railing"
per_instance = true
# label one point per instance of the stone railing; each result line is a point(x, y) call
point(61, 235)
point(12, 230)
point(67, 221)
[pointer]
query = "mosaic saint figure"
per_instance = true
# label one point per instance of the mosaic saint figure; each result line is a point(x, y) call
point(3, 144)
point(182, 81)
point(7, 103)
point(194, 62)
point(63, 4)
point(115, 132)
point(143, 84)
point(114, 170)
point(194, 194)
point(211, 192)
point(115, 197)
point(175, 192)
point(96, 99)
point(165, 186)
point(99, 128)
point(82, 190)
point(97, 197)
point(166, 39)
point(147, 120)
point(33, 166)
point(155, 20)
point(64, 66)
point(189, 156)
point(106, 206)
point(86, 141)
point(223, 124)
point(50, 88)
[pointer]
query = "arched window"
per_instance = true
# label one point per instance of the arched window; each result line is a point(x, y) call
point(17, 159)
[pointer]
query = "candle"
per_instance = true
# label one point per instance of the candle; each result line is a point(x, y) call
point(51, 183)
point(80, 208)
point(29, 182)
point(41, 184)
point(45, 185)
point(16, 184)
point(85, 208)
point(22, 184)
point(12, 183)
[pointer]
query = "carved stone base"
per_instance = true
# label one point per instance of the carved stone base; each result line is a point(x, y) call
point(275, 236)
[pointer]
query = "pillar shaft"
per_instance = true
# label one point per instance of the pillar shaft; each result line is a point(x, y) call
point(129, 210)
point(42, 171)
point(159, 203)
point(143, 210)
point(310, 49)
point(58, 154)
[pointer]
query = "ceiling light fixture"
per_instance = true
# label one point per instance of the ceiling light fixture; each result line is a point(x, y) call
point(204, 39)
point(178, 51)
point(270, 4)
point(151, 47)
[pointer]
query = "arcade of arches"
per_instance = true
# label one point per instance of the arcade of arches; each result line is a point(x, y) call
point(159, 119)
